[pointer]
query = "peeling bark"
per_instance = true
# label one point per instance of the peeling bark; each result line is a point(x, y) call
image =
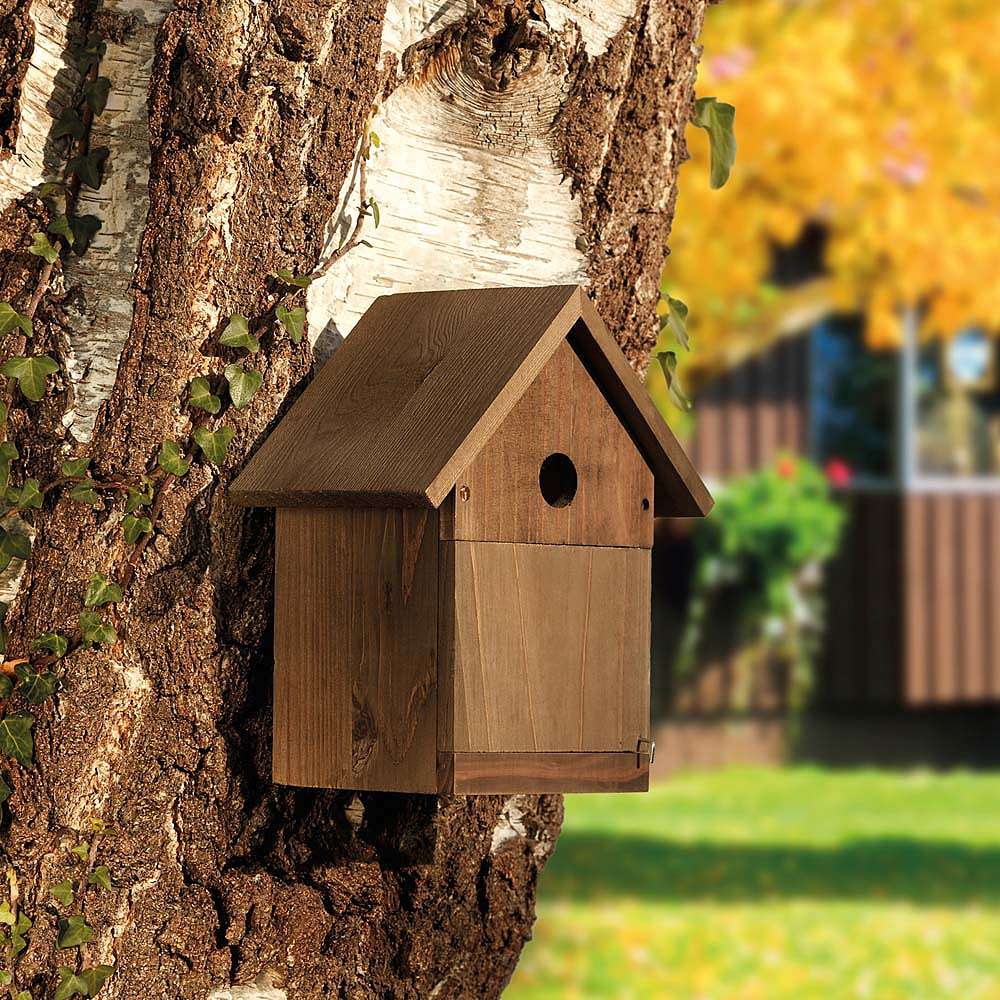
point(524, 141)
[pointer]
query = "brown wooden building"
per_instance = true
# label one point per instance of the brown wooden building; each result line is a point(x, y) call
point(913, 597)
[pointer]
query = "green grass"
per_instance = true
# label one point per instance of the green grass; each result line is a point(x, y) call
point(800, 884)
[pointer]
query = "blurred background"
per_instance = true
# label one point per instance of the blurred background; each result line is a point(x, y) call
point(825, 817)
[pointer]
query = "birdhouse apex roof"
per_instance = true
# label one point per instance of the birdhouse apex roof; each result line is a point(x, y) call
point(418, 388)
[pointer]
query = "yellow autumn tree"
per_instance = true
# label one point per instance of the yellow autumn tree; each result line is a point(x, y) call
point(878, 120)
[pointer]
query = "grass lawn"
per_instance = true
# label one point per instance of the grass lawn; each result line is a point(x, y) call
point(801, 884)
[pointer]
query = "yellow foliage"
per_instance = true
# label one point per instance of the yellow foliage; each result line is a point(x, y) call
point(878, 118)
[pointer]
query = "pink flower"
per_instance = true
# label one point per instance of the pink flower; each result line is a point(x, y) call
point(909, 172)
point(838, 472)
point(731, 64)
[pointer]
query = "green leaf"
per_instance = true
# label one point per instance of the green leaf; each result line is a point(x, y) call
point(95, 631)
point(85, 493)
point(201, 396)
point(89, 167)
point(139, 498)
point(376, 215)
point(668, 365)
point(60, 227)
point(74, 467)
point(717, 119)
point(15, 738)
point(675, 320)
point(53, 642)
point(6, 915)
point(6, 685)
point(95, 93)
point(28, 496)
point(14, 544)
point(11, 319)
point(69, 123)
point(95, 978)
point(17, 940)
point(41, 247)
point(5, 978)
point(82, 851)
point(4, 791)
point(243, 384)
point(31, 374)
point(100, 591)
point(374, 137)
point(70, 985)
point(136, 527)
point(293, 320)
point(8, 452)
point(237, 334)
point(214, 443)
point(73, 931)
point(62, 892)
point(36, 687)
point(85, 228)
point(171, 460)
point(101, 877)
point(295, 280)
point(23, 995)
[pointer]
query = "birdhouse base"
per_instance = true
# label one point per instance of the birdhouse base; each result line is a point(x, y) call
point(538, 773)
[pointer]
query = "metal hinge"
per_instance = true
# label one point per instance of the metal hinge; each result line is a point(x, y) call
point(650, 753)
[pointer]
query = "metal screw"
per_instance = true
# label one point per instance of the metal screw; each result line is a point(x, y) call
point(464, 493)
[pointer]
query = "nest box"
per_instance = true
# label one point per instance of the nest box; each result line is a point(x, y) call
point(465, 498)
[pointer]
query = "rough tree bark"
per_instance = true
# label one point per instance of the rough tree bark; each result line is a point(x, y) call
point(523, 141)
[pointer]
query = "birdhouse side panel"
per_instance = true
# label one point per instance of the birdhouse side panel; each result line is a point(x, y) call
point(546, 648)
point(560, 469)
point(355, 680)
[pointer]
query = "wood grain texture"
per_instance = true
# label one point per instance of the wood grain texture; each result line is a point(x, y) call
point(504, 773)
point(563, 411)
point(355, 649)
point(548, 647)
point(409, 400)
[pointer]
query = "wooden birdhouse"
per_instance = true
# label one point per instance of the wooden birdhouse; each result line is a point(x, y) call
point(465, 498)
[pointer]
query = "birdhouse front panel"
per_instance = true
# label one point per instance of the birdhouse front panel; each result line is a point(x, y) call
point(465, 501)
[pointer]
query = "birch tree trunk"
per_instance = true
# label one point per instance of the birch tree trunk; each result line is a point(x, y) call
point(522, 142)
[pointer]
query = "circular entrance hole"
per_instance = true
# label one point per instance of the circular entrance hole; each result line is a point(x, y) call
point(557, 480)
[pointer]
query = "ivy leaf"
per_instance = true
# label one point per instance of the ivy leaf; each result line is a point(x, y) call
point(6, 916)
point(4, 791)
point(295, 280)
point(28, 496)
point(237, 334)
point(73, 931)
point(70, 985)
point(95, 978)
point(242, 384)
point(139, 498)
point(717, 119)
point(101, 877)
point(69, 123)
point(675, 320)
point(171, 460)
point(136, 527)
point(11, 319)
point(85, 228)
point(62, 892)
point(15, 545)
point(101, 590)
point(8, 452)
point(6, 686)
point(74, 467)
point(89, 167)
point(95, 93)
point(376, 215)
point(41, 247)
point(60, 227)
point(53, 642)
point(95, 631)
point(201, 396)
point(214, 443)
point(31, 374)
point(85, 493)
point(15, 738)
point(293, 320)
point(668, 365)
point(36, 687)
point(23, 995)
point(17, 940)
point(82, 851)
point(5, 978)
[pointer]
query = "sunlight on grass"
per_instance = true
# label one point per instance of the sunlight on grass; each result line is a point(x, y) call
point(773, 885)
